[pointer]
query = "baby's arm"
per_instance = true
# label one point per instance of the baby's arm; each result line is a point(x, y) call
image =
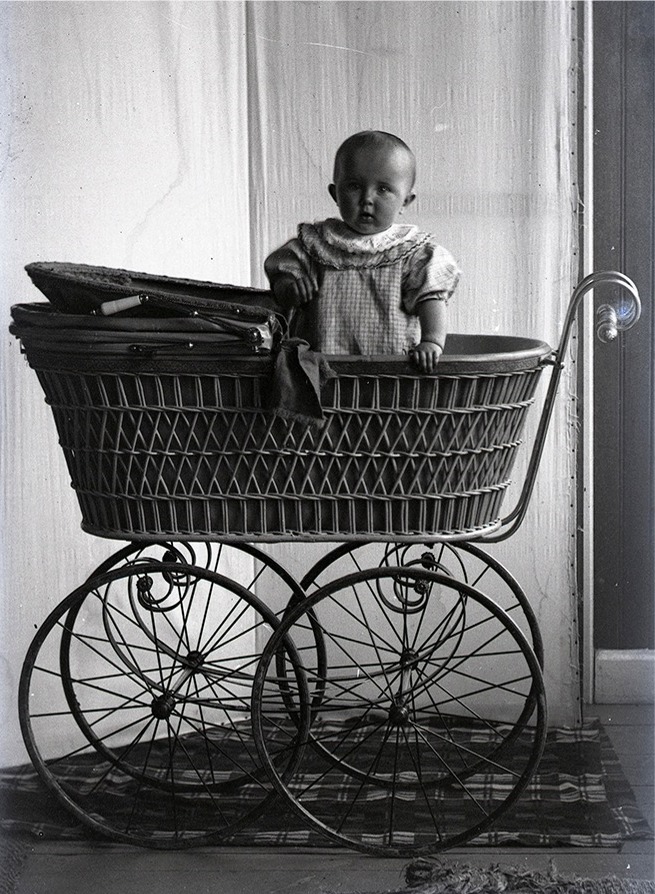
point(432, 317)
point(429, 279)
point(292, 291)
point(289, 275)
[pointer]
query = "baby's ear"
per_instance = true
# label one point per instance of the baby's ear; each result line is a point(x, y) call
point(409, 199)
point(333, 191)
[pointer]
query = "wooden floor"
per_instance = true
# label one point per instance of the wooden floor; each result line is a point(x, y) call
point(72, 868)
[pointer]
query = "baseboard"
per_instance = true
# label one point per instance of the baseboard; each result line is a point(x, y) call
point(624, 676)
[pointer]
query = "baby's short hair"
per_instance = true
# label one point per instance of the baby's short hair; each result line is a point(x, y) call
point(373, 139)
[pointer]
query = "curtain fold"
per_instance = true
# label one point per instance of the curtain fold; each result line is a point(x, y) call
point(125, 146)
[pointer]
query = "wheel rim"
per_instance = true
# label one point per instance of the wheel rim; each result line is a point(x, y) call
point(159, 715)
point(393, 727)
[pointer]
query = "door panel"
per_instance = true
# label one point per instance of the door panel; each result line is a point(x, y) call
point(624, 127)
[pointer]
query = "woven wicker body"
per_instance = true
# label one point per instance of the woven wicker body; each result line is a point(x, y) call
point(178, 445)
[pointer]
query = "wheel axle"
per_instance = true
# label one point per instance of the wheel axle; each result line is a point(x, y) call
point(399, 715)
point(163, 706)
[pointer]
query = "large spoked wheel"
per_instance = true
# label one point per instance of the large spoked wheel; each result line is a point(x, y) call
point(148, 672)
point(413, 743)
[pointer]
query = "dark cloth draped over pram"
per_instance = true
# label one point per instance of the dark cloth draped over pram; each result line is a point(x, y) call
point(298, 376)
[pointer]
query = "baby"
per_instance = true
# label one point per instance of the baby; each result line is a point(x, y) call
point(366, 284)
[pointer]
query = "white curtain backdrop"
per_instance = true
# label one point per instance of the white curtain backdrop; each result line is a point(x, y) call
point(127, 147)
point(485, 94)
point(190, 138)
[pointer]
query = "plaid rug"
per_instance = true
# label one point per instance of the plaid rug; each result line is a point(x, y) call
point(578, 797)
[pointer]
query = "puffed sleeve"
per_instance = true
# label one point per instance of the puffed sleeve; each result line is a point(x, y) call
point(429, 272)
point(290, 258)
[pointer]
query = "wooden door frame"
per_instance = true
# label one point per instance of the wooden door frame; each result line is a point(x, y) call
point(618, 542)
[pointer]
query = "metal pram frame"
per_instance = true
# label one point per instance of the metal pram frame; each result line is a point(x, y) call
point(194, 681)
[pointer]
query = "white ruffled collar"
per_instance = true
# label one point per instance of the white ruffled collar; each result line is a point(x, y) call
point(339, 235)
point(335, 245)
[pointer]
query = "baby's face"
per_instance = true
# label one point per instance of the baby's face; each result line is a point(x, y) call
point(372, 187)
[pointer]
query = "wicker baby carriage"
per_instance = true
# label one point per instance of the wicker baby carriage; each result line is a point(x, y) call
point(196, 680)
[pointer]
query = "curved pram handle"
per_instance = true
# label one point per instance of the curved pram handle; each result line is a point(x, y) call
point(611, 318)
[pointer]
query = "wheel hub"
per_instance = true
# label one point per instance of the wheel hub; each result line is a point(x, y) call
point(163, 706)
point(194, 659)
point(399, 715)
point(399, 712)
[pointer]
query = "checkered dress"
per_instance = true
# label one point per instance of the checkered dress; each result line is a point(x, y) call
point(367, 288)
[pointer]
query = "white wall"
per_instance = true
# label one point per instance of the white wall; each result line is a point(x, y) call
point(133, 131)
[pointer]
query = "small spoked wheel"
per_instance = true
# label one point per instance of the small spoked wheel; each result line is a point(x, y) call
point(464, 561)
point(135, 704)
point(413, 732)
point(241, 562)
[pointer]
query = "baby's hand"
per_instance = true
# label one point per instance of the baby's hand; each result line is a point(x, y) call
point(292, 291)
point(426, 355)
